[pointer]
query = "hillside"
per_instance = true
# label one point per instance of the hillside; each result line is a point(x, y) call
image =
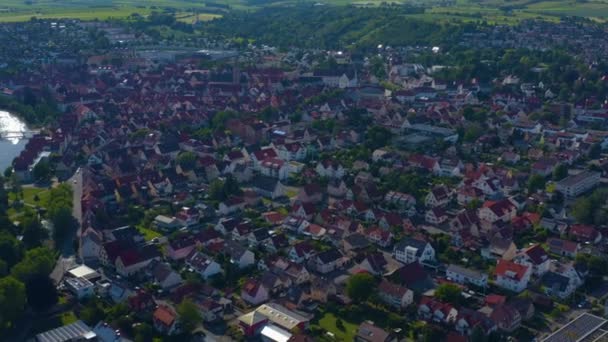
point(492, 11)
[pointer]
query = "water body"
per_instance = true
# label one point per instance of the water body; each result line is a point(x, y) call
point(12, 138)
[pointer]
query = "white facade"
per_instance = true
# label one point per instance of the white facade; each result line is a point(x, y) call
point(576, 185)
point(411, 254)
point(463, 275)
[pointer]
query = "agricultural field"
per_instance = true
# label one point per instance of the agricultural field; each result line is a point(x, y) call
point(491, 11)
point(23, 10)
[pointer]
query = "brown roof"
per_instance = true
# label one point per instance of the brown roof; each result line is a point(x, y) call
point(165, 315)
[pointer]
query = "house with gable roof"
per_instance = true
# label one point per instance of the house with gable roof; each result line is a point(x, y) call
point(438, 196)
point(502, 210)
point(166, 320)
point(536, 257)
point(512, 276)
point(203, 265)
point(254, 292)
point(395, 295)
point(411, 250)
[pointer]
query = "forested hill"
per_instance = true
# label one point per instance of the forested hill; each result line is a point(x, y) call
point(333, 27)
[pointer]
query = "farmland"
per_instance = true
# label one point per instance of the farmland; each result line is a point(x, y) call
point(491, 11)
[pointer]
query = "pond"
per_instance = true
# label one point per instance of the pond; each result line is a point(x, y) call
point(13, 138)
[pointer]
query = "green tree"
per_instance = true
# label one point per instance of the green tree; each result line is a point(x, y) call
point(42, 171)
point(472, 132)
point(33, 232)
point(187, 160)
point(63, 223)
point(144, 332)
point(560, 172)
point(432, 333)
point(37, 261)
point(231, 186)
point(360, 287)
point(216, 190)
point(474, 204)
point(219, 120)
point(12, 300)
point(478, 335)
point(595, 151)
point(8, 172)
point(377, 137)
point(41, 292)
point(448, 293)
point(11, 250)
point(92, 312)
point(536, 182)
point(3, 268)
point(189, 315)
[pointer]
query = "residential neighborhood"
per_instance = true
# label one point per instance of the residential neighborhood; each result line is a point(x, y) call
point(276, 195)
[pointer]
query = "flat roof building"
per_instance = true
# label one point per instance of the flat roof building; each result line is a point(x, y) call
point(77, 331)
point(584, 328)
point(575, 185)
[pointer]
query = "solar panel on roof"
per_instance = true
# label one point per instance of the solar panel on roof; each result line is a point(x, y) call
point(578, 330)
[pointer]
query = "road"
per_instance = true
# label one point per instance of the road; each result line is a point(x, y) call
point(68, 258)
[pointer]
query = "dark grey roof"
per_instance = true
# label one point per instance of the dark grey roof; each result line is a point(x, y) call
point(329, 255)
point(357, 240)
point(265, 183)
point(555, 281)
point(260, 234)
point(407, 242)
point(465, 271)
point(234, 249)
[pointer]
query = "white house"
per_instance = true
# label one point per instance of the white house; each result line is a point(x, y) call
point(275, 168)
point(438, 196)
point(535, 257)
point(411, 250)
point(328, 261)
point(395, 295)
point(254, 292)
point(330, 169)
point(464, 275)
point(163, 275)
point(80, 287)
point(203, 265)
point(512, 276)
point(239, 255)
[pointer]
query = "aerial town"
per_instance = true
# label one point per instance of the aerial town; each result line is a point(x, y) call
point(209, 191)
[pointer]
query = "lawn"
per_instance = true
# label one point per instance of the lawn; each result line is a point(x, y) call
point(29, 193)
point(291, 193)
point(18, 10)
point(56, 321)
point(328, 323)
point(559, 8)
point(189, 17)
point(149, 234)
point(68, 318)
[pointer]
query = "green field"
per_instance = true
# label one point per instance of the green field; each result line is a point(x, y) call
point(328, 323)
point(149, 234)
point(492, 11)
point(19, 10)
point(29, 196)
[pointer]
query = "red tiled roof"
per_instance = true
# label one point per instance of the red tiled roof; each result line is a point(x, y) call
point(509, 269)
point(165, 315)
